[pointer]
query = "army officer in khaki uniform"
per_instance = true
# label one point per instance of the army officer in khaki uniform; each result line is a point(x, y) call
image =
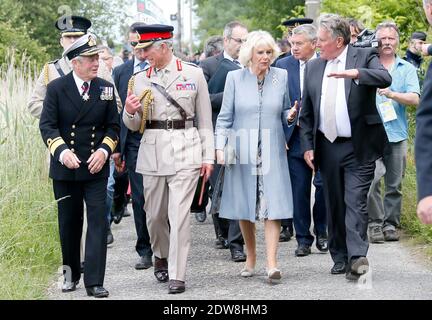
point(169, 102)
point(71, 29)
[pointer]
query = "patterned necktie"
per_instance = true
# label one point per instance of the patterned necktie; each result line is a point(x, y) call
point(85, 89)
point(330, 129)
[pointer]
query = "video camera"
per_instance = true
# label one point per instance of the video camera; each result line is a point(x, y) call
point(367, 39)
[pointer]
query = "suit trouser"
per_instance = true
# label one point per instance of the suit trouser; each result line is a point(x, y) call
point(346, 185)
point(142, 246)
point(386, 213)
point(70, 196)
point(301, 177)
point(227, 228)
point(168, 202)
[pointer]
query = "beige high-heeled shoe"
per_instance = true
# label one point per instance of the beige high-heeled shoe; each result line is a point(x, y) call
point(246, 272)
point(274, 274)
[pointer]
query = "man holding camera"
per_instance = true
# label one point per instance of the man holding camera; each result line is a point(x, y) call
point(384, 214)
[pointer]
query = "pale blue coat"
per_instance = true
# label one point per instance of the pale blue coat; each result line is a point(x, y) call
point(237, 125)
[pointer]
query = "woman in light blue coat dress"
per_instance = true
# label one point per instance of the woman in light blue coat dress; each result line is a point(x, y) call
point(250, 142)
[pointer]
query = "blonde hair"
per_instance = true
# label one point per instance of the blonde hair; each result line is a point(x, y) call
point(253, 40)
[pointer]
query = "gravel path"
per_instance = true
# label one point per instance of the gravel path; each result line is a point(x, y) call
point(398, 271)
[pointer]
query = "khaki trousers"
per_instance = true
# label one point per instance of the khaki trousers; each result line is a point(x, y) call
point(167, 204)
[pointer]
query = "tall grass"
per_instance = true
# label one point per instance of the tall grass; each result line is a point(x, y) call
point(409, 219)
point(29, 245)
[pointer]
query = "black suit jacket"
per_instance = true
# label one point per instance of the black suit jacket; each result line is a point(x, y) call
point(121, 76)
point(69, 122)
point(367, 131)
point(423, 140)
point(218, 67)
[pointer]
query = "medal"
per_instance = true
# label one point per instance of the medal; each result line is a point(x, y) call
point(86, 97)
point(106, 93)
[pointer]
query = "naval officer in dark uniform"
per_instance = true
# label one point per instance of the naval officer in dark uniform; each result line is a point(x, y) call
point(80, 126)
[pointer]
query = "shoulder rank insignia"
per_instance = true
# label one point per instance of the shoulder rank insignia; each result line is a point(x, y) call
point(149, 72)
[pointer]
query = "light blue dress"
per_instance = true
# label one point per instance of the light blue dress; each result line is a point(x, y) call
point(251, 122)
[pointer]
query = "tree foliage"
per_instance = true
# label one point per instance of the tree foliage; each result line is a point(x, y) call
point(407, 14)
point(28, 26)
point(256, 14)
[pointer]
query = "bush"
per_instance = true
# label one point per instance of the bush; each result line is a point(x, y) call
point(19, 41)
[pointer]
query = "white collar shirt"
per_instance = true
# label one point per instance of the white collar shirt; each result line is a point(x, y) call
point(79, 82)
point(227, 56)
point(302, 69)
point(343, 124)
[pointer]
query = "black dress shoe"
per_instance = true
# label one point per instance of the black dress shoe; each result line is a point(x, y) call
point(97, 292)
point(176, 286)
point(339, 268)
point(302, 250)
point(161, 269)
point(322, 243)
point(69, 286)
point(200, 216)
point(285, 235)
point(82, 267)
point(238, 256)
point(144, 262)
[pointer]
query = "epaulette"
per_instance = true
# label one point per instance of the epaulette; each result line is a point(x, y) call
point(52, 62)
point(46, 74)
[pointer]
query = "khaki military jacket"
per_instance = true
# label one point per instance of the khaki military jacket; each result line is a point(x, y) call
point(49, 73)
point(164, 152)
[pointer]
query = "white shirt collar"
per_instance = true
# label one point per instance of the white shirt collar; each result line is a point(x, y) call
point(342, 57)
point(79, 82)
point(303, 62)
point(227, 56)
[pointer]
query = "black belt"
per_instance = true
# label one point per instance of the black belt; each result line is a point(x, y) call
point(342, 139)
point(169, 124)
point(337, 140)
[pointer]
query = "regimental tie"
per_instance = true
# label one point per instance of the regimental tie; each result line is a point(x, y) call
point(85, 90)
point(330, 129)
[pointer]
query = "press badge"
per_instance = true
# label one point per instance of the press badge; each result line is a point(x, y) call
point(387, 111)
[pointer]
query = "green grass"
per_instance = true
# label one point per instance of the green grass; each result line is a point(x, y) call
point(29, 244)
point(410, 223)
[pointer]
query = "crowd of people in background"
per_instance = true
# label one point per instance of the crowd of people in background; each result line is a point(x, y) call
point(310, 112)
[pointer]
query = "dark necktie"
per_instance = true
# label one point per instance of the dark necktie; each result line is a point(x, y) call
point(237, 62)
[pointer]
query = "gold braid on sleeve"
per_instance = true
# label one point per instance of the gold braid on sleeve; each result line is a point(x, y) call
point(46, 74)
point(147, 95)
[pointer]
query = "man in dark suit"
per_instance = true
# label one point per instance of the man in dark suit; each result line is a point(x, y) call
point(423, 151)
point(80, 125)
point(234, 35)
point(303, 42)
point(342, 134)
point(129, 145)
point(287, 230)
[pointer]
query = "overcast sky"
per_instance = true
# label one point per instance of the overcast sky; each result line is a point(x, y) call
point(170, 7)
